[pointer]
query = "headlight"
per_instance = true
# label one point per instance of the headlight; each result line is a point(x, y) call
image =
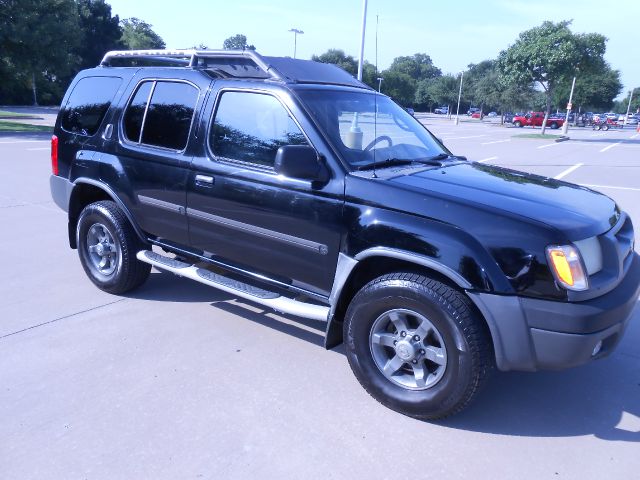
point(567, 267)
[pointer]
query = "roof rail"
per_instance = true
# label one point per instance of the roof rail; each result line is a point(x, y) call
point(193, 55)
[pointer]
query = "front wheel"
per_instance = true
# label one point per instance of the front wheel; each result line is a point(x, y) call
point(107, 246)
point(416, 345)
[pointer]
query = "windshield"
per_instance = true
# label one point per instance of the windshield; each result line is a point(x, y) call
point(349, 120)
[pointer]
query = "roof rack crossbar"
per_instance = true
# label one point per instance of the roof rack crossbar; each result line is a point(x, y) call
point(193, 55)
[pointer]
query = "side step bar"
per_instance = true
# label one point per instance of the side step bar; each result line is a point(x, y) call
point(235, 287)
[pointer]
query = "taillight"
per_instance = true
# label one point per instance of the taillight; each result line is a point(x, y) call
point(54, 154)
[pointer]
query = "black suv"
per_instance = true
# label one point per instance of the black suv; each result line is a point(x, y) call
point(291, 184)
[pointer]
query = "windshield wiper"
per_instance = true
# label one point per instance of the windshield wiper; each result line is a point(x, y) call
point(389, 162)
point(437, 159)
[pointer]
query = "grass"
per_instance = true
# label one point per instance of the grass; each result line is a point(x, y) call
point(6, 126)
point(547, 136)
point(5, 114)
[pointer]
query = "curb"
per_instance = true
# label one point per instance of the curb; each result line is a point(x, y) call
point(563, 138)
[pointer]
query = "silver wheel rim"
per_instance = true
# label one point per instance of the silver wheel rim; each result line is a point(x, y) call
point(408, 349)
point(102, 250)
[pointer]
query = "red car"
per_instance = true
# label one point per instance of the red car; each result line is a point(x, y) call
point(535, 119)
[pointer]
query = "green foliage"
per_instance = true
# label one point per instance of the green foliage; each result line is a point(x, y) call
point(99, 30)
point(139, 35)
point(339, 58)
point(237, 42)
point(484, 87)
point(546, 54)
point(399, 86)
point(621, 105)
point(444, 90)
point(37, 48)
point(419, 66)
point(595, 89)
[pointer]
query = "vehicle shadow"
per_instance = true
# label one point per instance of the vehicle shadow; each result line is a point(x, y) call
point(164, 287)
point(600, 399)
point(26, 135)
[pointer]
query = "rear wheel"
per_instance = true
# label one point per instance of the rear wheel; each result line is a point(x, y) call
point(553, 126)
point(107, 246)
point(517, 123)
point(416, 345)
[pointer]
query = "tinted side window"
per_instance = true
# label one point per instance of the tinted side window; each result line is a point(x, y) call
point(169, 116)
point(135, 112)
point(250, 127)
point(88, 104)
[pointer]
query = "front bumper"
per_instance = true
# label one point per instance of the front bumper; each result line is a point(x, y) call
point(532, 334)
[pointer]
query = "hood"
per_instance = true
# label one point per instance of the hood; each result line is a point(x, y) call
point(576, 211)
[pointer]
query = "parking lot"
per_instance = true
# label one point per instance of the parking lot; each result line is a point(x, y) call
point(178, 380)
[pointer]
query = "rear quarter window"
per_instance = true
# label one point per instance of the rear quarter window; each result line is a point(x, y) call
point(88, 104)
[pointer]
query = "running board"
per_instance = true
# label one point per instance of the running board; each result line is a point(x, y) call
point(235, 287)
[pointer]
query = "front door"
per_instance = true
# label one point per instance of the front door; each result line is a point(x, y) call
point(240, 210)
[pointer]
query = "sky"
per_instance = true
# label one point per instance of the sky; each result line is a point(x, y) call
point(454, 33)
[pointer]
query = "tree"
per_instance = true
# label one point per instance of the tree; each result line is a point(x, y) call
point(419, 66)
point(139, 35)
point(621, 105)
point(100, 32)
point(399, 86)
point(237, 42)
point(594, 90)
point(546, 54)
point(339, 58)
point(444, 90)
point(38, 39)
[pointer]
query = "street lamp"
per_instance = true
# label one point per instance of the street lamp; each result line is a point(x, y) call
point(626, 117)
point(380, 79)
point(296, 32)
point(459, 97)
point(565, 126)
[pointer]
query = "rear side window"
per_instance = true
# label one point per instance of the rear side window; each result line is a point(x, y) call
point(166, 119)
point(250, 127)
point(135, 112)
point(88, 104)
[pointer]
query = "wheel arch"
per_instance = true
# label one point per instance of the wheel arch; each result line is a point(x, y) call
point(353, 273)
point(86, 191)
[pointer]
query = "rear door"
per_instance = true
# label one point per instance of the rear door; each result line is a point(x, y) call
point(154, 151)
point(240, 210)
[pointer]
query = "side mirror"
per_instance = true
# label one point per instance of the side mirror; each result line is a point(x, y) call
point(300, 161)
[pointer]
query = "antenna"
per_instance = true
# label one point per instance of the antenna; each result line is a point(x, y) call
point(375, 107)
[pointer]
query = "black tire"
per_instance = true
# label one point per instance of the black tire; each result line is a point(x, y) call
point(123, 271)
point(517, 124)
point(605, 127)
point(553, 126)
point(452, 316)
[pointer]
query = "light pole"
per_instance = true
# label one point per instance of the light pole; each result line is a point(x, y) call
point(380, 79)
point(296, 32)
point(364, 27)
point(565, 126)
point(355, 134)
point(459, 98)
point(628, 108)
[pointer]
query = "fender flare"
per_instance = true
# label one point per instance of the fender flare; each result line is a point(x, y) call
point(104, 187)
point(346, 266)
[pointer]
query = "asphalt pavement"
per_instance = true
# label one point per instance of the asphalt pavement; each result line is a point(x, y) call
point(178, 381)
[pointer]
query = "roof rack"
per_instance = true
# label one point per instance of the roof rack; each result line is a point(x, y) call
point(193, 56)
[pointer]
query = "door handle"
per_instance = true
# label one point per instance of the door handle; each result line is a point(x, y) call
point(205, 181)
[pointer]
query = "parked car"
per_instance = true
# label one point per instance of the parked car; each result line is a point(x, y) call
point(441, 110)
point(473, 110)
point(508, 117)
point(535, 119)
point(477, 115)
point(430, 268)
point(410, 111)
point(492, 114)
